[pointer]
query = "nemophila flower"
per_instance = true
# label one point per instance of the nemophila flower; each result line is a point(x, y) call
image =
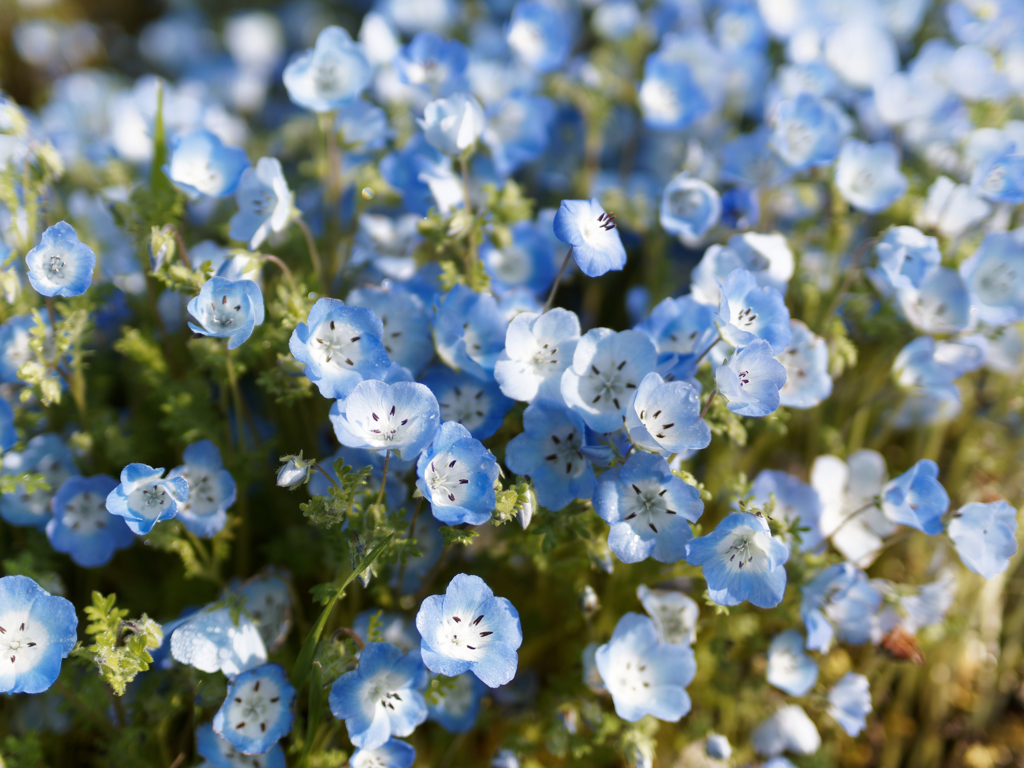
point(850, 514)
point(590, 231)
point(211, 640)
point(868, 175)
point(941, 304)
point(401, 418)
point(808, 382)
point(1000, 176)
point(200, 164)
point(402, 169)
point(913, 608)
point(838, 603)
point(340, 346)
point(433, 63)
point(849, 703)
point(682, 326)
point(985, 536)
point(905, 253)
point(538, 349)
point(469, 331)
point(221, 753)
point(477, 405)
point(788, 730)
point(363, 126)
point(458, 706)
point(917, 498)
point(258, 710)
point(392, 754)
point(644, 676)
point(525, 262)
point(211, 489)
point(330, 75)
point(518, 130)
point(751, 380)
point(674, 613)
point(551, 450)
point(387, 244)
point(748, 312)
point(808, 131)
point(45, 455)
point(82, 527)
point(227, 309)
point(790, 669)
point(539, 35)
point(648, 508)
point(505, 758)
point(665, 417)
point(741, 561)
point(144, 497)
point(453, 124)
point(294, 472)
point(607, 367)
point(670, 97)
point(717, 747)
point(741, 208)
point(264, 203)
point(8, 434)
point(456, 475)
point(689, 208)
point(797, 503)
point(767, 257)
point(37, 630)
point(995, 277)
point(468, 629)
point(268, 604)
point(61, 265)
point(406, 331)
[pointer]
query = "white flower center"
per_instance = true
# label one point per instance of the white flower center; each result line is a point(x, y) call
point(254, 708)
point(446, 478)
point(224, 316)
point(336, 343)
point(562, 448)
point(149, 501)
point(86, 513)
point(645, 505)
point(465, 636)
point(20, 646)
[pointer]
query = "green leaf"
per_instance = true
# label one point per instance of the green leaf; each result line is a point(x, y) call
point(120, 646)
point(457, 535)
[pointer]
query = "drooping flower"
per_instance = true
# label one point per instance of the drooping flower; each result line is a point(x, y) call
point(457, 707)
point(227, 309)
point(749, 312)
point(330, 75)
point(751, 380)
point(61, 265)
point(538, 349)
point(665, 417)
point(839, 603)
point(220, 753)
point(985, 536)
point(591, 232)
point(37, 630)
point(48, 456)
point(264, 203)
point(258, 710)
point(144, 497)
point(790, 669)
point(917, 498)
point(674, 613)
point(211, 489)
point(477, 405)
point(456, 474)
point(453, 124)
point(849, 703)
point(82, 527)
point(401, 418)
point(200, 164)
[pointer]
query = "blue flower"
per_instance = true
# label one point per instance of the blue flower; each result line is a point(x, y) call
point(905, 253)
point(200, 164)
point(144, 497)
point(39, 629)
point(211, 489)
point(340, 346)
point(591, 232)
point(211, 640)
point(15, 335)
point(868, 175)
point(403, 170)
point(741, 208)
point(227, 309)
point(767, 257)
point(268, 603)
point(751, 380)
point(741, 561)
point(82, 527)
point(644, 676)
point(469, 331)
point(849, 703)
point(391, 754)
point(526, 261)
point(788, 729)
point(453, 124)
point(46, 455)
point(551, 450)
point(258, 710)
point(675, 614)
point(538, 350)
point(790, 669)
point(808, 131)
point(433, 63)
point(839, 603)
point(689, 208)
point(749, 312)
point(539, 35)
point(477, 405)
point(61, 265)
point(220, 753)
point(670, 98)
point(403, 318)
point(8, 434)
point(808, 382)
point(387, 244)
point(747, 160)
point(607, 367)
point(330, 75)
point(363, 126)
point(1000, 176)
point(401, 418)
point(916, 498)
point(517, 130)
point(682, 326)
point(717, 747)
point(264, 203)
point(985, 536)
point(995, 277)
point(648, 508)
point(456, 474)
point(458, 706)
point(665, 417)
point(797, 503)
point(941, 304)
point(383, 697)
point(468, 629)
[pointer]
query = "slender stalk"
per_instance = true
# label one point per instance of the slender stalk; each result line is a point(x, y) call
point(412, 528)
point(314, 255)
point(52, 313)
point(558, 279)
point(323, 472)
point(284, 267)
point(181, 245)
point(873, 503)
point(244, 531)
point(471, 246)
point(237, 397)
point(848, 276)
point(354, 636)
point(707, 405)
point(384, 479)
point(718, 338)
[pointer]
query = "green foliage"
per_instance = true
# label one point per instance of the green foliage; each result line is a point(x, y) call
point(342, 499)
point(508, 204)
point(452, 536)
point(28, 482)
point(374, 633)
point(724, 422)
point(120, 646)
point(439, 687)
point(24, 751)
point(198, 561)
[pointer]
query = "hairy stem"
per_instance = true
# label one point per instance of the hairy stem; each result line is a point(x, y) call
point(558, 279)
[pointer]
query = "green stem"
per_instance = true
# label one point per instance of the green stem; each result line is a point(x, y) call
point(384, 479)
point(181, 245)
point(412, 528)
point(284, 267)
point(323, 472)
point(558, 279)
point(708, 403)
point(471, 245)
point(90, 713)
point(314, 257)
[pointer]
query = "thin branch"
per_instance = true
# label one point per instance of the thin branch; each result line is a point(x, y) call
point(558, 279)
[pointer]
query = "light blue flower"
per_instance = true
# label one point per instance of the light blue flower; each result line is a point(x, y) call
point(258, 710)
point(796, 502)
point(477, 405)
point(401, 418)
point(747, 160)
point(15, 335)
point(48, 456)
point(61, 265)
point(457, 707)
point(264, 203)
point(456, 474)
point(644, 676)
point(670, 98)
point(590, 231)
point(144, 497)
point(453, 124)
point(849, 703)
point(717, 747)
point(391, 754)
point(682, 326)
point(767, 257)
point(8, 434)
point(539, 35)
point(403, 168)
point(751, 380)
point(212, 640)
point(790, 669)
point(468, 629)
point(748, 312)
point(227, 309)
point(469, 331)
point(648, 508)
point(340, 346)
point(839, 603)
point(789, 729)
point(905, 253)
point(268, 603)
point(607, 367)
point(741, 561)
point(689, 208)
point(868, 175)
point(220, 753)
point(39, 629)
point(985, 536)
point(82, 527)
point(330, 75)
point(808, 131)
point(551, 450)
point(995, 277)
point(211, 489)
point(200, 164)
point(526, 261)
point(916, 498)
point(665, 417)
point(675, 614)
point(406, 331)
point(1000, 176)
point(538, 350)
point(808, 382)
point(741, 208)
point(363, 126)
point(433, 63)
point(941, 304)
point(517, 130)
